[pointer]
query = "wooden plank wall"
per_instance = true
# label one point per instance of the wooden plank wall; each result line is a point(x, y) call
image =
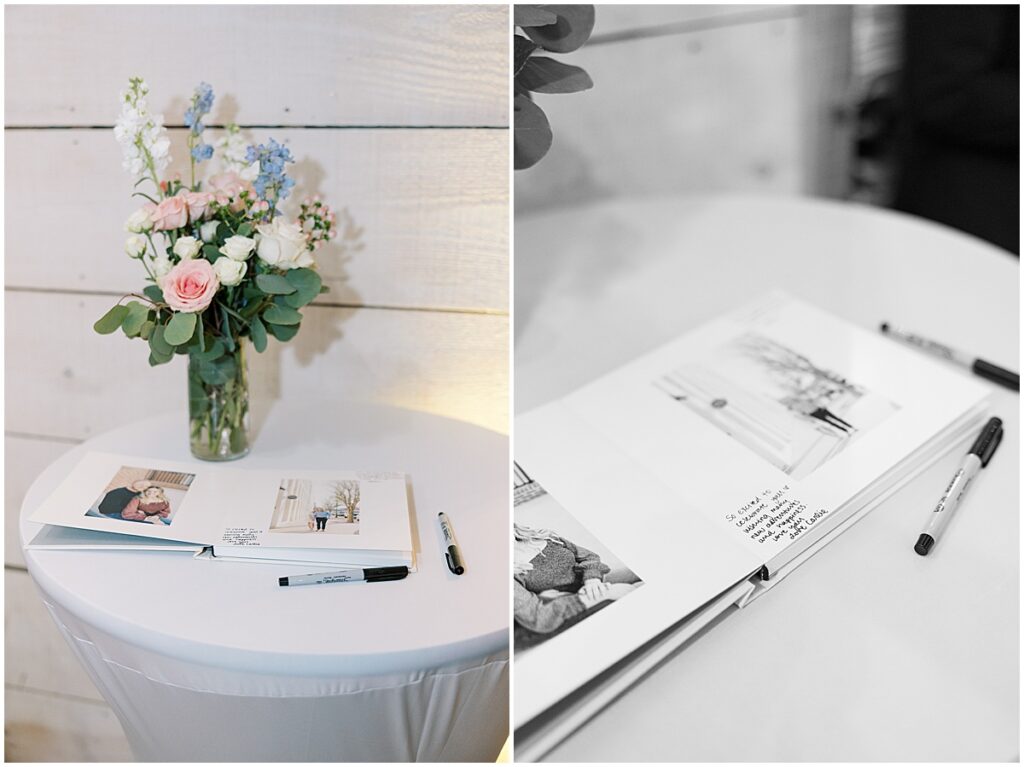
point(692, 99)
point(396, 115)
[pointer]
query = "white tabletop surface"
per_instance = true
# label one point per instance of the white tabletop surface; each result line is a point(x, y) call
point(233, 615)
point(867, 652)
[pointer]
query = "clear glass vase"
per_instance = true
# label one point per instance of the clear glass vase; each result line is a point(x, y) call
point(218, 403)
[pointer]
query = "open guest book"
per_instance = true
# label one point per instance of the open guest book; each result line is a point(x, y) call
point(656, 499)
point(108, 501)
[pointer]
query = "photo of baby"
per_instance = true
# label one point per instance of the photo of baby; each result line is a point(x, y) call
point(143, 495)
point(561, 573)
point(308, 506)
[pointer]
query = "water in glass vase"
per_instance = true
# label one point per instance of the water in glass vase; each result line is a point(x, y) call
point(218, 402)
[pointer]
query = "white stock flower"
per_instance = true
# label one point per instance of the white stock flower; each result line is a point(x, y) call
point(186, 247)
point(238, 248)
point(208, 231)
point(229, 271)
point(139, 221)
point(232, 146)
point(283, 245)
point(135, 246)
point(139, 133)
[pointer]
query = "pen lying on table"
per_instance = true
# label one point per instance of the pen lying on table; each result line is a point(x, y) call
point(977, 458)
point(369, 574)
point(976, 365)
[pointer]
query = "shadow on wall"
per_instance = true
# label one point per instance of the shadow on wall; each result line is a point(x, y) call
point(324, 315)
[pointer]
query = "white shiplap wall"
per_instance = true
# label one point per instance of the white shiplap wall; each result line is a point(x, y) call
point(397, 116)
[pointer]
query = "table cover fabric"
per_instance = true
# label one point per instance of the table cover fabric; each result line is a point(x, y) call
point(212, 661)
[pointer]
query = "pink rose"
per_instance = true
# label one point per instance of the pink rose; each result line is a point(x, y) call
point(190, 286)
point(229, 184)
point(197, 203)
point(171, 213)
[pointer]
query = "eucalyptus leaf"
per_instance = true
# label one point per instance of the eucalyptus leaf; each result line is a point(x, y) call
point(571, 29)
point(258, 333)
point(283, 332)
point(111, 321)
point(154, 293)
point(533, 16)
point(281, 315)
point(146, 330)
point(158, 344)
point(180, 329)
point(133, 321)
point(305, 281)
point(523, 47)
point(541, 74)
point(244, 230)
point(212, 352)
point(211, 253)
point(223, 232)
point(219, 372)
point(532, 133)
point(274, 284)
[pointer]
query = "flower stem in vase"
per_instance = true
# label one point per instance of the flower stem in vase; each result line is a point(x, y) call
point(218, 402)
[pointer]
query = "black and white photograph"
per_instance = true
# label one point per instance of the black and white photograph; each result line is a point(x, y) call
point(562, 574)
point(777, 402)
point(308, 506)
point(148, 496)
point(675, 163)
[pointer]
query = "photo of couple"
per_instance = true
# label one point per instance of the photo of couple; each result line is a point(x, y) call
point(561, 573)
point(142, 495)
point(306, 506)
point(778, 403)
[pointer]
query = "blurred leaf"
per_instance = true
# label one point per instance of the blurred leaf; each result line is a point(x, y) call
point(158, 344)
point(307, 285)
point(274, 284)
point(133, 321)
point(112, 320)
point(532, 133)
point(154, 293)
point(244, 230)
point(569, 32)
point(545, 75)
point(282, 315)
point(211, 252)
point(258, 333)
point(283, 332)
point(533, 16)
point(179, 330)
point(523, 49)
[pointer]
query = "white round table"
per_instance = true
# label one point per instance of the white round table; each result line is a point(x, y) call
point(868, 652)
point(213, 661)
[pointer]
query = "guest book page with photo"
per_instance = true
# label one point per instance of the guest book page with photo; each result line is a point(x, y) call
point(725, 455)
point(250, 514)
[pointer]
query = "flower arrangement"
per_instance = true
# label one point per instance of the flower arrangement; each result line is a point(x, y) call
point(553, 29)
point(229, 265)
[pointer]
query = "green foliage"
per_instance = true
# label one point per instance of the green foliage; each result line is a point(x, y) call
point(218, 372)
point(158, 344)
point(258, 333)
point(274, 284)
point(307, 284)
point(111, 321)
point(211, 253)
point(546, 75)
point(214, 350)
point(276, 314)
point(133, 321)
point(532, 132)
point(154, 293)
point(283, 332)
point(180, 329)
point(244, 230)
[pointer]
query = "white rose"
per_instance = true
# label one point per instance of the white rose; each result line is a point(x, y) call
point(186, 248)
point(135, 246)
point(229, 271)
point(139, 221)
point(161, 266)
point(282, 245)
point(238, 248)
point(208, 231)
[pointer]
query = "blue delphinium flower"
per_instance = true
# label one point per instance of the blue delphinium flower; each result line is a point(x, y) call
point(272, 185)
point(202, 103)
